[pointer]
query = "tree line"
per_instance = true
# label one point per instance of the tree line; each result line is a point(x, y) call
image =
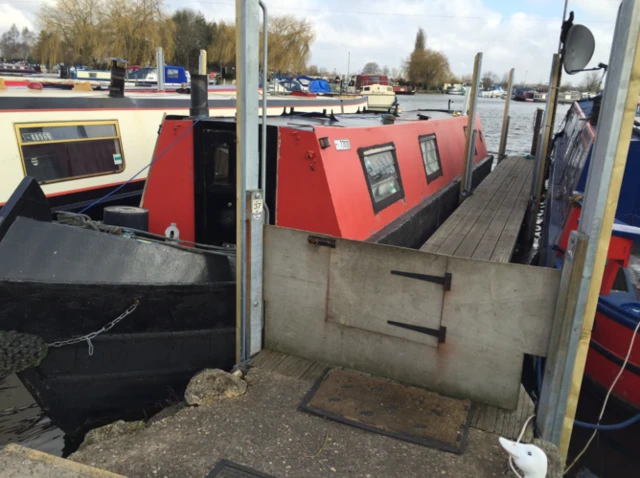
point(89, 32)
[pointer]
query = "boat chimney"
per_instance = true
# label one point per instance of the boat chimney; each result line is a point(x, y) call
point(199, 96)
point(118, 72)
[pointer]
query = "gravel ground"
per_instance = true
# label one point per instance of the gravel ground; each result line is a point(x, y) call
point(264, 430)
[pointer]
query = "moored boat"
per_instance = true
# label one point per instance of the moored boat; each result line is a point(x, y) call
point(48, 134)
point(404, 90)
point(371, 178)
point(380, 97)
point(618, 310)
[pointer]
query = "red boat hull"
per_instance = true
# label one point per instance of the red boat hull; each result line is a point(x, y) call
point(609, 346)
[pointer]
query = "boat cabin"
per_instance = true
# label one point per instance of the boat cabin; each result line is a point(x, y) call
point(348, 176)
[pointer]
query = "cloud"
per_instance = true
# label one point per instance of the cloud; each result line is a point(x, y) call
point(384, 32)
point(10, 15)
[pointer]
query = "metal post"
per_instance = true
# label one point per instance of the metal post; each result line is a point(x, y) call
point(469, 151)
point(160, 68)
point(505, 116)
point(565, 364)
point(537, 124)
point(202, 62)
point(348, 66)
point(249, 200)
point(265, 77)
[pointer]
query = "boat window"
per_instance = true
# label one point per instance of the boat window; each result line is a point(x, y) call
point(173, 73)
point(480, 135)
point(221, 165)
point(366, 88)
point(380, 165)
point(430, 156)
point(54, 152)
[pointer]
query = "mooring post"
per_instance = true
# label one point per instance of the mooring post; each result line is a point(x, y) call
point(505, 119)
point(578, 298)
point(249, 198)
point(537, 124)
point(160, 68)
point(466, 181)
point(202, 62)
point(537, 180)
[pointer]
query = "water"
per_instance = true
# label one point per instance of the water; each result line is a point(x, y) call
point(491, 111)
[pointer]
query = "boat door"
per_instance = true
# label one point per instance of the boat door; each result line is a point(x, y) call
point(215, 192)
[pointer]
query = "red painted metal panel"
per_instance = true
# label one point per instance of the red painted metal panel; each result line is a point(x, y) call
point(169, 193)
point(303, 199)
point(353, 212)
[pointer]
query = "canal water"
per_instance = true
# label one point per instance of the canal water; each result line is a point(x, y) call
point(29, 426)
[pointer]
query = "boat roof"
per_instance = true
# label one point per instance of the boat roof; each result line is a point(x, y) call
point(353, 120)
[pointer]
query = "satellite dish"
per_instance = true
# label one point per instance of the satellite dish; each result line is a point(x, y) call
point(578, 49)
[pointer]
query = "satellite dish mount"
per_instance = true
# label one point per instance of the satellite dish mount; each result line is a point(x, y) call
point(578, 45)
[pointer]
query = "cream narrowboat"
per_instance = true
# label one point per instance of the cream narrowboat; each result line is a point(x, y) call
point(82, 145)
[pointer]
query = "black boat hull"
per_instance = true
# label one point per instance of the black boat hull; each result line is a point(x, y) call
point(60, 282)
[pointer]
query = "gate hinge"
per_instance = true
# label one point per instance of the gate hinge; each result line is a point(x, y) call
point(444, 280)
point(322, 241)
point(440, 333)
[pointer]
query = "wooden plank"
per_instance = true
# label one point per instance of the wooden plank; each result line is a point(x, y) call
point(271, 360)
point(473, 209)
point(490, 321)
point(468, 208)
point(293, 366)
point(502, 306)
point(506, 243)
point(317, 370)
point(488, 243)
point(480, 227)
point(360, 273)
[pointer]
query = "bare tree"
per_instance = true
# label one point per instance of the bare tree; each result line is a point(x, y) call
point(591, 82)
point(290, 40)
point(371, 68)
point(15, 44)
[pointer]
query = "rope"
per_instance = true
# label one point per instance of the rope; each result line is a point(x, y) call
point(524, 427)
point(84, 221)
point(99, 200)
point(606, 399)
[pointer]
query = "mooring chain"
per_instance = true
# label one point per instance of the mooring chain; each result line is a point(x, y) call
point(87, 338)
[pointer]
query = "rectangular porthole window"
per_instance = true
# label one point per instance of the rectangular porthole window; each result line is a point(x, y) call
point(381, 170)
point(430, 156)
point(62, 151)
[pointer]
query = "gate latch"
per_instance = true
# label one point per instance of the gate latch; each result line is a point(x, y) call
point(444, 280)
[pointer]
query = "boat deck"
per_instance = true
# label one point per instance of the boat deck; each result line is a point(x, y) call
point(487, 224)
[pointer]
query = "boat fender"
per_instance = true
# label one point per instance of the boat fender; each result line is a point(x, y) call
point(172, 232)
point(19, 351)
point(35, 85)
point(127, 216)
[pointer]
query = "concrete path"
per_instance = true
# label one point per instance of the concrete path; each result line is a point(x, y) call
point(19, 462)
point(265, 431)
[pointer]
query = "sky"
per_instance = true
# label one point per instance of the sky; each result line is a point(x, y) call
point(520, 34)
